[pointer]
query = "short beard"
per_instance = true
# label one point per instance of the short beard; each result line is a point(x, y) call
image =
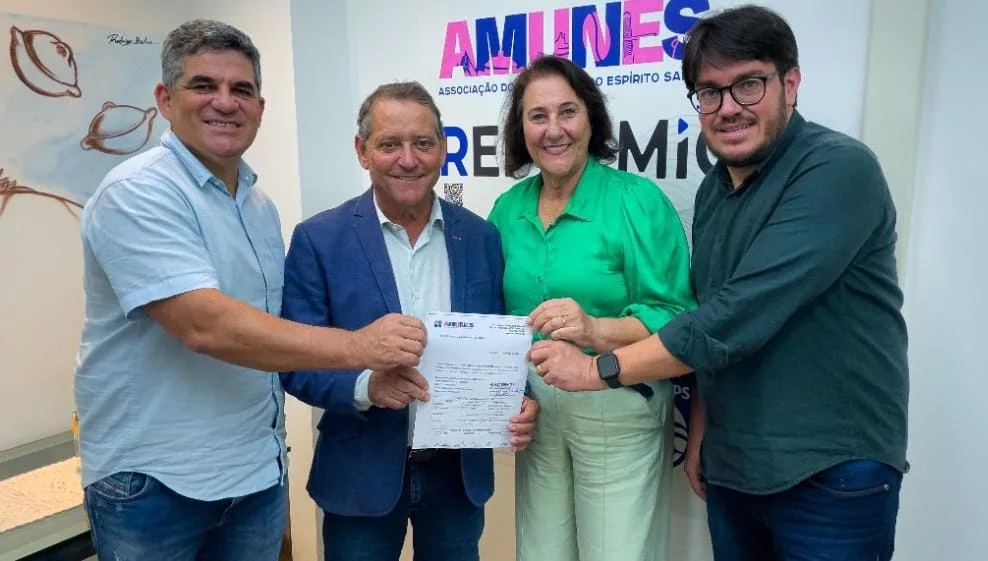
point(759, 154)
point(754, 158)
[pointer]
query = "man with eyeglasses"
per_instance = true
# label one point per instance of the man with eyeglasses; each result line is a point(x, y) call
point(798, 344)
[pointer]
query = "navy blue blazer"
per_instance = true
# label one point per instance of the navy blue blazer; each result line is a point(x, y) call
point(338, 274)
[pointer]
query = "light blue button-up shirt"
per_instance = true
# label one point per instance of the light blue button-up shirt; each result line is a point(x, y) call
point(159, 225)
point(422, 279)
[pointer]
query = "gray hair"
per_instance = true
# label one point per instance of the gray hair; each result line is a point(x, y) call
point(398, 91)
point(198, 35)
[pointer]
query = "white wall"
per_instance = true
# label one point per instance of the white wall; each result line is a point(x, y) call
point(893, 98)
point(327, 100)
point(944, 504)
point(326, 109)
point(274, 156)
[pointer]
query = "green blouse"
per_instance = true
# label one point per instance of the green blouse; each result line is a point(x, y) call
point(618, 249)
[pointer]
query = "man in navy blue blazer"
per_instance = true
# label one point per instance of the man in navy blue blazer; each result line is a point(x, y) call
point(396, 249)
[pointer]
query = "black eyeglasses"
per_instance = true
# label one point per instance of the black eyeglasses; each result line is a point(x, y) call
point(747, 91)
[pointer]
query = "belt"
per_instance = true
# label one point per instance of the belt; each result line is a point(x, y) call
point(427, 454)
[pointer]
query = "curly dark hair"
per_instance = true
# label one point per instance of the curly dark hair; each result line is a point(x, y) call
point(739, 34)
point(603, 146)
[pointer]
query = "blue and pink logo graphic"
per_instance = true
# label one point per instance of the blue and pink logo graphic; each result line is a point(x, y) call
point(682, 402)
point(612, 38)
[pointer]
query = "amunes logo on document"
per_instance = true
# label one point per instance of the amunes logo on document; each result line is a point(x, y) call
point(452, 324)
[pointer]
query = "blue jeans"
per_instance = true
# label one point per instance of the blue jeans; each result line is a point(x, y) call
point(446, 526)
point(134, 517)
point(846, 513)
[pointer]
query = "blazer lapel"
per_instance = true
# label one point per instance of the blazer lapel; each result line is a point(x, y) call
point(456, 250)
point(371, 238)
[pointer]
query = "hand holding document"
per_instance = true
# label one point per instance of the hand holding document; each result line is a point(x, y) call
point(476, 368)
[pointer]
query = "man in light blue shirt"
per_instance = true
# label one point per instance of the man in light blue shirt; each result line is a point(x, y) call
point(181, 411)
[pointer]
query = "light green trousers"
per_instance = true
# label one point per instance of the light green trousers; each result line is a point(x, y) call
point(594, 483)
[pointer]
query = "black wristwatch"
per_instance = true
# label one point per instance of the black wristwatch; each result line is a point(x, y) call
point(608, 368)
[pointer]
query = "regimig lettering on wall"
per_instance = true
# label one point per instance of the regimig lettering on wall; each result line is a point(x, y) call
point(623, 33)
point(663, 153)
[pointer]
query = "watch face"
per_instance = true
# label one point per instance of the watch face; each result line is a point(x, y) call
point(607, 366)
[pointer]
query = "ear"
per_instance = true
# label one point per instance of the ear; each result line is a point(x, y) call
point(790, 83)
point(360, 147)
point(163, 98)
point(260, 112)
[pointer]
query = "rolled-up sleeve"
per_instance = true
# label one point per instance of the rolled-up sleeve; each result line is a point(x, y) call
point(656, 259)
point(146, 238)
point(826, 214)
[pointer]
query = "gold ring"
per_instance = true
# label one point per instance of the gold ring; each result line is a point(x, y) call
point(539, 369)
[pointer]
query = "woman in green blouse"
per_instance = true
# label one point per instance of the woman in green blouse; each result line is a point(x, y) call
point(597, 257)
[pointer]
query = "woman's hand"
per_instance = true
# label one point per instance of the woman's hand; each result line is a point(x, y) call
point(563, 319)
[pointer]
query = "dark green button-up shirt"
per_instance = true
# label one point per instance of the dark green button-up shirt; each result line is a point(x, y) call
point(798, 343)
point(618, 249)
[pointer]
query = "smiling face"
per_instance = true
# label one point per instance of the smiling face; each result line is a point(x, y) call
point(743, 135)
point(215, 108)
point(556, 127)
point(403, 154)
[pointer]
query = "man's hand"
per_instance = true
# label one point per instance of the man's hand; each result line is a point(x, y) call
point(563, 365)
point(694, 441)
point(393, 340)
point(691, 465)
point(564, 319)
point(397, 387)
point(522, 425)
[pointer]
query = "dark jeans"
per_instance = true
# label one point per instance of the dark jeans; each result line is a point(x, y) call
point(135, 517)
point(446, 526)
point(844, 513)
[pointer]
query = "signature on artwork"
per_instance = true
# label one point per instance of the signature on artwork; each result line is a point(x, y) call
point(120, 40)
point(9, 188)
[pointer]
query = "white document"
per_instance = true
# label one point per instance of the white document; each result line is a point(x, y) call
point(476, 368)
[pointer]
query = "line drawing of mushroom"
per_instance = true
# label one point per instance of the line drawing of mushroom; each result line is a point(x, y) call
point(119, 129)
point(9, 188)
point(44, 63)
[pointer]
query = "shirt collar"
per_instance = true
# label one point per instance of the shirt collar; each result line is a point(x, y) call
point(435, 216)
point(793, 129)
point(580, 204)
point(202, 176)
